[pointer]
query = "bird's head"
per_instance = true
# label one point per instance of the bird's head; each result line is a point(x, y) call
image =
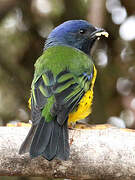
point(76, 33)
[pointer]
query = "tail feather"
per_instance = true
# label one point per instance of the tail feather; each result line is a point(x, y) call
point(51, 149)
point(41, 137)
point(63, 144)
point(48, 139)
point(25, 147)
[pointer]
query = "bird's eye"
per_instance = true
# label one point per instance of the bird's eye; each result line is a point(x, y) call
point(82, 31)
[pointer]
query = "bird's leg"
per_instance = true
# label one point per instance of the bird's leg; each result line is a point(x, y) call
point(71, 125)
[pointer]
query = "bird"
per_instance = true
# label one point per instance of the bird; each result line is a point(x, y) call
point(62, 88)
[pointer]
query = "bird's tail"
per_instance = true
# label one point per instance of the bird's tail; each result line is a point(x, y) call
point(25, 147)
point(49, 140)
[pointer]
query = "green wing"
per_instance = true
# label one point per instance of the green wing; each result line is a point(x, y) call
point(62, 75)
point(58, 96)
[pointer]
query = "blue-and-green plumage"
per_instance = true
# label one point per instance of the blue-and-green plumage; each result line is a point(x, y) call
point(62, 88)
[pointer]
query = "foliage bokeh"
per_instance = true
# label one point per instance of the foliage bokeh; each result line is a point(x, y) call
point(24, 26)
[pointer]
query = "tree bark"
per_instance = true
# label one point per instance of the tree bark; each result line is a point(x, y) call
point(96, 12)
point(97, 152)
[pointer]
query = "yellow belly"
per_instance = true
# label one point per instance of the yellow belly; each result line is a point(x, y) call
point(84, 107)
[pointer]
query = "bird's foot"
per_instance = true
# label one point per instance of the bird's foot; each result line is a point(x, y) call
point(71, 125)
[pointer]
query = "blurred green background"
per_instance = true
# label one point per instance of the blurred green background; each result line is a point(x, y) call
point(24, 26)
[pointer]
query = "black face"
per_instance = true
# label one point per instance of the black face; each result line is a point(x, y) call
point(76, 33)
point(85, 38)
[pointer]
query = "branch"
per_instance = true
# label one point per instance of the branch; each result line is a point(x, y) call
point(96, 12)
point(98, 152)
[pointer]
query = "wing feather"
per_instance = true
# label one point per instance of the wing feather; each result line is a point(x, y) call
point(66, 88)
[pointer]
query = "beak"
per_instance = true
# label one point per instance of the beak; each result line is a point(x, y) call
point(98, 33)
